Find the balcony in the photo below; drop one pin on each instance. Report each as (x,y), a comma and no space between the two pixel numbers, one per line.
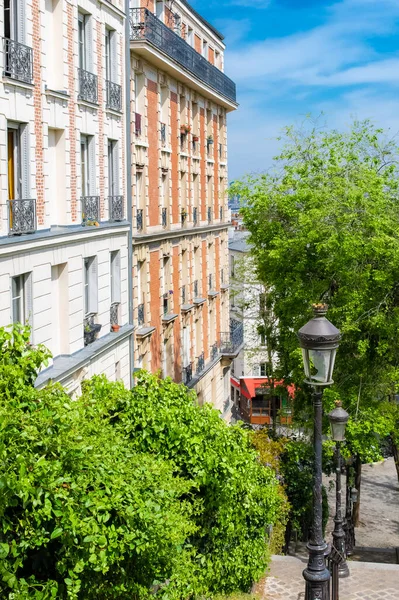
(114,96)
(139,219)
(115,208)
(164,217)
(18,62)
(231,342)
(90,209)
(21,216)
(200,364)
(140,315)
(88,86)
(146,27)
(188,373)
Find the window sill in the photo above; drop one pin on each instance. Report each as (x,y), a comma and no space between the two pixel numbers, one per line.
(169,318)
(114,112)
(17,83)
(185,308)
(212,294)
(199,301)
(87,104)
(59,94)
(144,332)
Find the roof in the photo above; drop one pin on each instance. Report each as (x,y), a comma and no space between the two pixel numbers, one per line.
(239,242)
(204,21)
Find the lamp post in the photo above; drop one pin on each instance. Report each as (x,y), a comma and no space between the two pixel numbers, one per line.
(319,340)
(338,420)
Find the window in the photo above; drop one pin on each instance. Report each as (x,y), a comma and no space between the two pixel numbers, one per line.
(159,9)
(115,271)
(22,299)
(111,71)
(85,42)
(262,339)
(113,164)
(60,309)
(205,49)
(232,266)
(88,165)
(18,161)
(90,285)
(54,43)
(56,181)
(190,36)
(262,370)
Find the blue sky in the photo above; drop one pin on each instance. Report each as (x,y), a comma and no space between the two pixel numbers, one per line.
(290,58)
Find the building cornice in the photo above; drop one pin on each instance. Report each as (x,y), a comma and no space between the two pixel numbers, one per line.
(177,233)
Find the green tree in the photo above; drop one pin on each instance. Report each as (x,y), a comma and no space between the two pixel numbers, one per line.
(325,227)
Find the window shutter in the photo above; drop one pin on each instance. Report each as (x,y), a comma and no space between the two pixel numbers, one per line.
(115,168)
(92,165)
(116,277)
(93,286)
(21,21)
(25,168)
(28,301)
(89,43)
(114,57)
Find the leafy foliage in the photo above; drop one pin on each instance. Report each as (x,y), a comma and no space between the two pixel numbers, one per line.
(325,227)
(124,494)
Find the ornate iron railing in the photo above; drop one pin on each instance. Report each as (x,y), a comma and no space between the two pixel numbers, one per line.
(90,208)
(140,314)
(214,350)
(195,288)
(195,215)
(200,363)
(18,62)
(88,86)
(232,340)
(115,207)
(183,294)
(114,313)
(114,96)
(187,373)
(146,26)
(139,219)
(164,217)
(209,214)
(163,134)
(21,216)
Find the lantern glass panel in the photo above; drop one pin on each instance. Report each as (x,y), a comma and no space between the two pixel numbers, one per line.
(320,365)
(338,431)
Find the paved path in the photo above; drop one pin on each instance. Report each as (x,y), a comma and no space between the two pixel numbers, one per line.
(379,506)
(367,581)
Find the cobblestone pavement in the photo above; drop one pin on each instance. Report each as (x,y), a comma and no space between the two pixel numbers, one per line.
(367,581)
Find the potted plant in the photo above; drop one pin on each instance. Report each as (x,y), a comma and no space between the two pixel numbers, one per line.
(195,138)
(90,332)
(184,214)
(185,129)
(209,139)
(115,327)
(92,223)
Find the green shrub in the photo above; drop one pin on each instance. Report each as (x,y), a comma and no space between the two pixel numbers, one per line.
(124,494)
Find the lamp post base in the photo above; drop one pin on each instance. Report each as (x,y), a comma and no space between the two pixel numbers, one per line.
(316,574)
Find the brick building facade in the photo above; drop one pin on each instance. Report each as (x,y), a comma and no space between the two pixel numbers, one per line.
(180,98)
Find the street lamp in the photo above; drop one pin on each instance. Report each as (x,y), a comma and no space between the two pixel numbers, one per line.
(338,420)
(319,340)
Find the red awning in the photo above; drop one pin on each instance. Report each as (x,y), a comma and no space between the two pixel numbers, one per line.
(250,384)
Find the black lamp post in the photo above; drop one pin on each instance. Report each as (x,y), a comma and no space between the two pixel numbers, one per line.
(338,420)
(319,340)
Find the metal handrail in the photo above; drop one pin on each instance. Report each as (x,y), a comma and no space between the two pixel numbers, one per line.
(115,208)
(90,208)
(114,96)
(21,216)
(88,86)
(18,61)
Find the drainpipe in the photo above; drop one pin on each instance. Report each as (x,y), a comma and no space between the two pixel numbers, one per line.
(129,187)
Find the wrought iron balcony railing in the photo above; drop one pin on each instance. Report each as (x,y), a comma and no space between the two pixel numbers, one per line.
(139,219)
(195,215)
(188,373)
(146,26)
(114,96)
(140,314)
(164,217)
(21,216)
(163,134)
(200,363)
(88,86)
(183,294)
(196,288)
(214,350)
(18,63)
(231,341)
(115,207)
(90,208)
(114,313)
